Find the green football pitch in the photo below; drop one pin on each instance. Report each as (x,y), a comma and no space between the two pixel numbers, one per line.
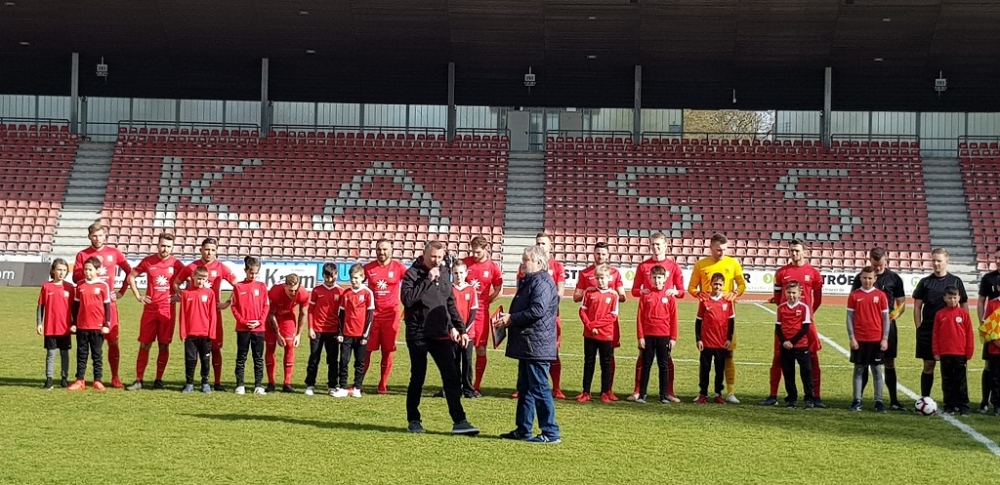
(166,437)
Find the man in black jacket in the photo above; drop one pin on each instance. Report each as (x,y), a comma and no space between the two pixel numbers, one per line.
(432,324)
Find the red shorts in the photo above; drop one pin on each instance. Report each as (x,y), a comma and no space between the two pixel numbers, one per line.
(385,329)
(286,327)
(481,330)
(112,336)
(157,326)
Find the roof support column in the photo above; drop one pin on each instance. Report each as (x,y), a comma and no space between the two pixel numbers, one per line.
(637,108)
(74,94)
(265,118)
(452,112)
(826,133)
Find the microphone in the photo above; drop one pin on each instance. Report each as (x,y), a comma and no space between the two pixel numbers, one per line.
(441,267)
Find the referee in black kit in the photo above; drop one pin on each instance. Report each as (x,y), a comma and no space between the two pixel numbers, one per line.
(432,325)
(928,299)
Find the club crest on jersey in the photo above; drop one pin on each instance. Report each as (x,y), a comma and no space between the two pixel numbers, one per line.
(391,273)
(486,274)
(204,298)
(958,319)
(798,313)
(664,300)
(468,297)
(361,298)
(256,292)
(214,273)
(110,258)
(66,294)
(97,291)
(876,299)
(724,306)
(607,301)
(170,270)
(808,277)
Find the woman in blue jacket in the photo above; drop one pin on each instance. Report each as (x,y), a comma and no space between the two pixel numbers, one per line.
(531,339)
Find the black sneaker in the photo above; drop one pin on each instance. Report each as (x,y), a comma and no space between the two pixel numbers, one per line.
(137,385)
(818,403)
(287,388)
(856,406)
(220,388)
(879,407)
(476,394)
(544,440)
(810,404)
(469,395)
(415,427)
(465,428)
(438,394)
(48,384)
(514,435)
(964,412)
(269,388)
(791,404)
(770,401)
(896,407)
(948,411)
(158,385)
(996,411)
(63,383)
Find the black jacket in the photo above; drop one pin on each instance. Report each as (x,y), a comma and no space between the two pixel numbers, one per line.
(428,307)
(532,331)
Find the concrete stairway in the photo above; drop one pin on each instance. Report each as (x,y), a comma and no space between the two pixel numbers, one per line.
(88,182)
(525,208)
(948,215)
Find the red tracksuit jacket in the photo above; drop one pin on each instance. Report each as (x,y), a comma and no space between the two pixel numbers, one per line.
(953,333)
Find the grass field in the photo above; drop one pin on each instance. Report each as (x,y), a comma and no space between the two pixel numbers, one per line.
(166,437)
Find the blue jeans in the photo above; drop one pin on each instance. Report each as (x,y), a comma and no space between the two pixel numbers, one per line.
(535,395)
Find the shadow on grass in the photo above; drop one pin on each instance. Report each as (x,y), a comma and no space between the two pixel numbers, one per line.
(311,422)
(29,383)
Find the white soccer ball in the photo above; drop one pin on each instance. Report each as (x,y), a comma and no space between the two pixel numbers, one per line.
(925,406)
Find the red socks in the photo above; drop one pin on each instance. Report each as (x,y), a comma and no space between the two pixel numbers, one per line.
(269,361)
(141,361)
(775,376)
(114,359)
(480,369)
(816,374)
(638,374)
(289,364)
(368,361)
(670,377)
(386,367)
(555,370)
(217,365)
(161,362)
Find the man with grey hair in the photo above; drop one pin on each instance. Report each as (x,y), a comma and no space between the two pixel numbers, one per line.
(432,324)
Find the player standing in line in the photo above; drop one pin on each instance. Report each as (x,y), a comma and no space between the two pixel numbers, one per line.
(953,344)
(643,285)
(357,312)
(91,322)
(198,327)
(868,330)
(599,314)
(792,327)
(467,303)
(250,309)
(892,285)
(111,260)
(735,285)
(928,299)
(157,323)
(587,281)
(988,304)
(656,330)
(53,320)
(384,276)
(713,332)
(556,270)
(324,324)
(283,328)
(486,277)
(217,272)
(811,284)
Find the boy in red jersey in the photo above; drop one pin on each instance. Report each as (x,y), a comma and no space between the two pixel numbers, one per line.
(53,319)
(953,345)
(198,326)
(674,288)
(811,282)
(250,308)
(217,273)
(384,276)
(791,328)
(484,274)
(656,329)
(324,322)
(713,329)
(283,329)
(588,280)
(467,302)
(868,329)
(111,261)
(357,312)
(599,314)
(91,322)
(157,324)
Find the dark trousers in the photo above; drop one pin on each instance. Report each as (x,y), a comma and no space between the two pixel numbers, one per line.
(245,341)
(954,382)
(708,356)
(656,348)
(89,343)
(591,347)
(195,349)
(534,397)
(788,359)
(443,353)
(463,364)
(328,341)
(993,361)
(352,345)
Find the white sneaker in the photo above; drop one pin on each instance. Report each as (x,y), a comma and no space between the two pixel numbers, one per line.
(333,392)
(731,398)
(355,392)
(241,390)
(340,393)
(309,390)
(259,391)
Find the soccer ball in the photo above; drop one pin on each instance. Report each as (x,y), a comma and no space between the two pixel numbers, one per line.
(925,406)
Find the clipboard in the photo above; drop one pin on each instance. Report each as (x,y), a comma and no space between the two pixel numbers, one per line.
(499,334)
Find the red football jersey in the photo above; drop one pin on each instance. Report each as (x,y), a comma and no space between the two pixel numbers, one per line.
(953,334)
(56,297)
(217,272)
(869,309)
(657,316)
(715,314)
(355,305)
(791,319)
(587,279)
(483,276)
(198,313)
(160,276)
(556,271)
(466,300)
(324,309)
(384,282)
(807,276)
(111,260)
(599,311)
(643,280)
(92,296)
(283,306)
(250,303)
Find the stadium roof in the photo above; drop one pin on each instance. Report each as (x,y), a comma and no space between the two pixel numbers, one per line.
(885,53)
